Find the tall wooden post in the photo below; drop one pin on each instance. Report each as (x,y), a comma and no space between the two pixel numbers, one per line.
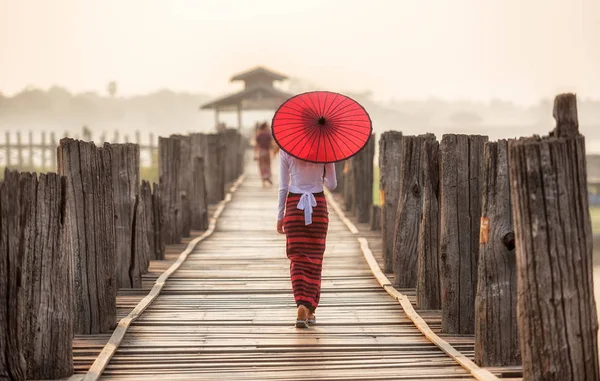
(390,156)
(20,160)
(168,169)
(125,182)
(89,188)
(428,280)
(7,146)
(199,208)
(48,295)
(496,337)
(558,325)
(12,360)
(461,158)
(185,180)
(363,181)
(409,211)
(215,170)
(30,163)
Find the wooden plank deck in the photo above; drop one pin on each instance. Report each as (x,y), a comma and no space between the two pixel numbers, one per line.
(228,314)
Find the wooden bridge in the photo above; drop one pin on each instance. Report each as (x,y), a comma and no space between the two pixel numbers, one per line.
(228,313)
(103,279)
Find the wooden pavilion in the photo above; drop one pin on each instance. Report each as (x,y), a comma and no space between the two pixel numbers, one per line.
(259,94)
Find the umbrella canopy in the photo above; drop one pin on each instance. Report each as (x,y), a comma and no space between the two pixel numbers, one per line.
(321,127)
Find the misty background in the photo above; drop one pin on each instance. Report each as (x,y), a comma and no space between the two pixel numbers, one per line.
(464,66)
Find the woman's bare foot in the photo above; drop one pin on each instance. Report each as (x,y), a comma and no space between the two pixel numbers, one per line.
(312,319)
(302,317)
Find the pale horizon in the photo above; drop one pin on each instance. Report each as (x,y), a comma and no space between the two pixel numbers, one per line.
(398,50)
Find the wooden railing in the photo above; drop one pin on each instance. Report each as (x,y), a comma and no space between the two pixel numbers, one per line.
(495,234)
(68,241)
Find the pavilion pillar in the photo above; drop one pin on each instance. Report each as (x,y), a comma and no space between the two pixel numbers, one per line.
(239,115)
(216,117)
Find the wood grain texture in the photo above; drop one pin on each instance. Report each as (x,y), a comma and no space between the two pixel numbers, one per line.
(91,226)
(48,314)
(362,166)
(558,325)
(157,222)
(185,184)
(169,165)
(349,189)
(199,206)
(461,158)
(125,182)
(496,332)
(375,219)
(146,202)
(12,359)
(214,168)
(428,272)
(390,160)
(408,215)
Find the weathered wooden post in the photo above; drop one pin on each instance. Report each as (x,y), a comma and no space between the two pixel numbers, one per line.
(47,308)
(461,160)
(496,336)
(185,181)
(408,215)
(12,360)
(390,155)
(349,185)
(146,200)
(215,168)
(363,181)
(428,280)
(20,160)
(169,167)
(30,163)
(157,222)
(375,219)
(558,325)
(140,253)
(199,205)
(125,183)
(339,172)
(231,139)
(91,227)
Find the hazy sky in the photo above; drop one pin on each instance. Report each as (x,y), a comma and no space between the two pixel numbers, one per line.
(474,49)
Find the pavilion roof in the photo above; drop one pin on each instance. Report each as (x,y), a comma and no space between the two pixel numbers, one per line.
(258,71)
(256,98)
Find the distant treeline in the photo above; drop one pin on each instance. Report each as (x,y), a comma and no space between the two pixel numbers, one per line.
(165,111)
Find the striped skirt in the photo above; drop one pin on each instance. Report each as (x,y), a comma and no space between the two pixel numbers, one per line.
(305,245)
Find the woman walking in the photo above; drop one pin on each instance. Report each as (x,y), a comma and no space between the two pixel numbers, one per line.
(304,219)
(262,152)
(314,130)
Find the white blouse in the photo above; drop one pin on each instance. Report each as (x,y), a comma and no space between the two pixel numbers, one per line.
(302,177)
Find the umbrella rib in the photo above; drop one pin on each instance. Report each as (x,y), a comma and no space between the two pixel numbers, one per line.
(343,135)
(328,137)
(297,131)
(299,110)
(314,106)
(306,142)
(307,108)
(296,115)
(338,111)
(337,106)
(342,129)
(324,103)
(335,95)
(349,125)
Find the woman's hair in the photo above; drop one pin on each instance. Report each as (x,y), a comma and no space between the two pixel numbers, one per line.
(263,126)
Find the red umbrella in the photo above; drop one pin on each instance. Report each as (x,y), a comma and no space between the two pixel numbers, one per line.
(321,127)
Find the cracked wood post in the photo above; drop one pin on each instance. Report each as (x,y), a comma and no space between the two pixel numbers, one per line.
(168,168)
(146,201)
(428,280)
(200,204)
(48,311)
(375,218)
(496,336)
(461,158)
(558,325)
(231,138)
(349,185)
(214,168)
(91,226)
(408,215)
(125,183)
(157,223)
(390,155)
(362,166)
(12,359)
(184,180)
(339,172)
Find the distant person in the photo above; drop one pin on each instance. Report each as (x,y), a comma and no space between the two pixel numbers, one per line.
(262,153)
